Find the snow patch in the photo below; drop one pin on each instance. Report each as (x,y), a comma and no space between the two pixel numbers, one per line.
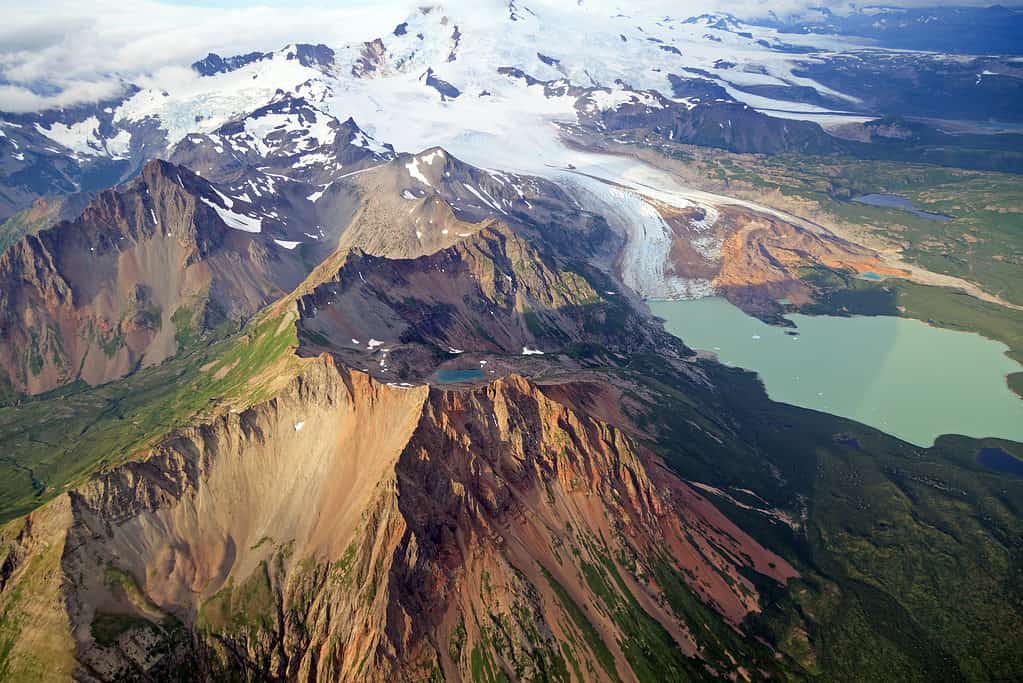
(413,170)
(236,221)
(606,100)
(83,139)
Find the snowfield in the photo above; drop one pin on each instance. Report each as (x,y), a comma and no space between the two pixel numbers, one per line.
(436,84)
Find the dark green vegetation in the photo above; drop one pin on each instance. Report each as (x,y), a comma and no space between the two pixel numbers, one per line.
(891,532)
(983,152)
(108,628)
(246,608)
(589,635)
(50,442)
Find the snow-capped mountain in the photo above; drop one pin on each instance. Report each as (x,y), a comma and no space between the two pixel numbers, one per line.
(339,362)
(274,164)
(464,111)
(433,80)
(465,77)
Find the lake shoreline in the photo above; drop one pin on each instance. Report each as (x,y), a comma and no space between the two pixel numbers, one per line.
(885,376)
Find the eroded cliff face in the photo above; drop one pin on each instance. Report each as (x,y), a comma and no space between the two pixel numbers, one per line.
(351,530)
(567,538)
(420,204)
(140,270)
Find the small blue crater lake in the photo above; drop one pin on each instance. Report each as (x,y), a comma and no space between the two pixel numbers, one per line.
(453,376)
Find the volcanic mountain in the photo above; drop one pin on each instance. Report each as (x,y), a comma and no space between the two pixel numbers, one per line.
(499,531)
(298,404)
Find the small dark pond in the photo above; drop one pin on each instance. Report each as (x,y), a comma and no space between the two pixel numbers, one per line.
(452,376)
(998,460)
(894,201)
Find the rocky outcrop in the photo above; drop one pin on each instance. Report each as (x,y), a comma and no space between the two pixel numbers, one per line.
(286,137)
(349,530)
(314,56)
(418,204)
(755,258)
(373,58)
(493,293)
(763,257)
(213,64)
(701,120)
(141,271)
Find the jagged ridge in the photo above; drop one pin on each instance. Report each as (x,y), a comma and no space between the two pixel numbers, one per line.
(420,531)
(126,283)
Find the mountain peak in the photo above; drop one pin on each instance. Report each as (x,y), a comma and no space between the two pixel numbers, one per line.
(317,56)
(213,64)
(314,56)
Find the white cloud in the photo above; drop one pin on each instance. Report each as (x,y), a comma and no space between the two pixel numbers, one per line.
(16,98)
(55,54)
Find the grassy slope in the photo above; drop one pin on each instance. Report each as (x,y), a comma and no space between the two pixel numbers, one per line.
(49,442)
(35,642)
(983,243)
(30,221)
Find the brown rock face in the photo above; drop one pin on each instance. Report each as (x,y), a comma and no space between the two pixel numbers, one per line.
(116,288)
(493,292)
(348,530)
(754,258)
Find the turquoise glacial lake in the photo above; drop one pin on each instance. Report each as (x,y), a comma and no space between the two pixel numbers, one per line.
(901,376)
(453,376)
